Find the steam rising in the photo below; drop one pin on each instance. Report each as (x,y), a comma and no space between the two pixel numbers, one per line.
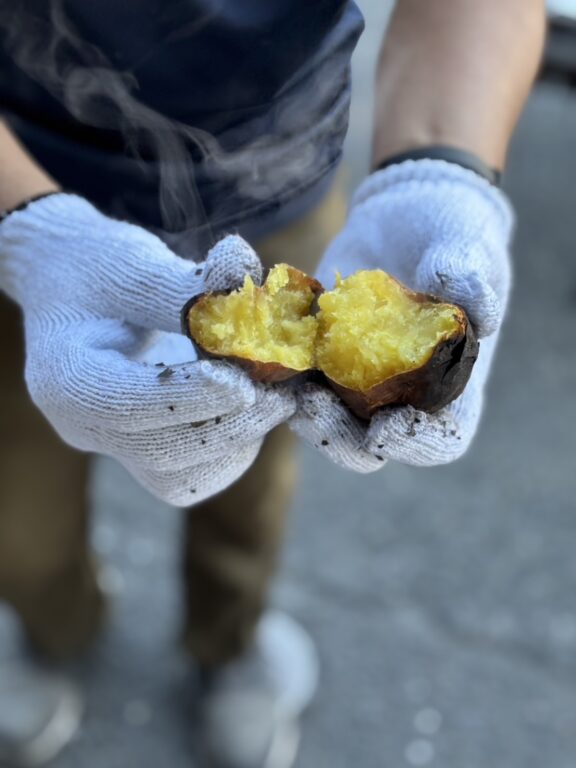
(81,77)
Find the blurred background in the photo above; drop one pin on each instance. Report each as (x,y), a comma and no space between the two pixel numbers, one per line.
(443,600)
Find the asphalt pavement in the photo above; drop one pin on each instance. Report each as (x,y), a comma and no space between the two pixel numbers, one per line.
(442,600)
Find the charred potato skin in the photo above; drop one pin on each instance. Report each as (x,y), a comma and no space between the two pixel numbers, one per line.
(259,371)
(430,387)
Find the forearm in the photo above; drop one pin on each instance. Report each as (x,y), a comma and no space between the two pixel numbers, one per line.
(456,72)
(20,176)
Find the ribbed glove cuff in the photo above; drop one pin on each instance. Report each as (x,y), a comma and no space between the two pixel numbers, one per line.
(437,173)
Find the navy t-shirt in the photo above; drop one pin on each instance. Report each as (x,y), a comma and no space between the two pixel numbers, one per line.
(182,114)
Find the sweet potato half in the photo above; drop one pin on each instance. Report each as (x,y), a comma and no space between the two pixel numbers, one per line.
(270,330)
(375,342)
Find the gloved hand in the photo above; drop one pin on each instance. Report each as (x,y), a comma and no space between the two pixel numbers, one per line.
(442,230)
(89,286)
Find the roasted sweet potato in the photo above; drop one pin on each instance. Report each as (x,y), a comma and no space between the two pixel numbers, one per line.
(378,343)
(374,341)
(268,330)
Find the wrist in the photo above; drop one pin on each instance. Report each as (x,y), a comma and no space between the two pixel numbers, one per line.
(21,206)
(489,149)
(449,154)
(20,175)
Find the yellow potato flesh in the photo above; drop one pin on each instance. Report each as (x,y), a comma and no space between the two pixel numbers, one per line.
(369,329)
(268,324)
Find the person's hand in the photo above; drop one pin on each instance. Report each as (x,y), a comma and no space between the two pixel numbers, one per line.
(91,288)
(441,230)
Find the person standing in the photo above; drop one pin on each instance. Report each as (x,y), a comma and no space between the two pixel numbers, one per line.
(255,97)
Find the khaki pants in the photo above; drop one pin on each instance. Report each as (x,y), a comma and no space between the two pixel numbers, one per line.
(231,541)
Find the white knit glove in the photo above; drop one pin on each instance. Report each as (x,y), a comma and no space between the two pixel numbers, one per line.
(442,230)
(89,286)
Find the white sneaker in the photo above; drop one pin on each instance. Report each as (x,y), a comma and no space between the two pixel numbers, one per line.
(39,715)
(251,706)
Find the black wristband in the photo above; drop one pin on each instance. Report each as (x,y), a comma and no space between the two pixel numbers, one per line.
(26,203)
(461,157)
